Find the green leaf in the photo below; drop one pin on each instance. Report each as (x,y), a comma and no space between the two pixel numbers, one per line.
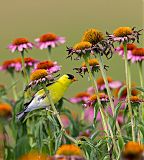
(140,89)
(121,91)
(22,147)
(120,142)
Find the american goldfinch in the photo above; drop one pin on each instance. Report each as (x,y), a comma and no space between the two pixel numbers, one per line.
(56,90)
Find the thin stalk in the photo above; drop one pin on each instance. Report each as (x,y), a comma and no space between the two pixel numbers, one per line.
(14,88)
(94,84)
(129,75)
(108,91)
(57,114)
(50,141)
(141,75)
(49,53)
(128,90)
(24,69)
(141,108)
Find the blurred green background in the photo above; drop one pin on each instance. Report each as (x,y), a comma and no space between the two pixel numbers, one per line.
(31,18)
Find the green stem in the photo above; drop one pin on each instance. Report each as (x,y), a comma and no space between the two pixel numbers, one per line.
(94,84)
(129,75)
(108,91)
(49,53)
(128,90)
(141,75)
(56,113)
(141,108)
(51,147)
(14,88)
(24,69)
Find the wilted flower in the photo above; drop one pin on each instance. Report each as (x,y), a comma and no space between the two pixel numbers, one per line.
(93,100)
(80,49)
(94,65)
(5,110)
(130,47)
(20,44)
(136,55)
(93,36)
(81,97)
(112,84)
(127,34)
(34,155)
(133,151)
(49,40)
(50,66)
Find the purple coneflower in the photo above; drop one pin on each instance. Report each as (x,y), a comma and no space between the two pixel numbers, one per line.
(20,44)
(49,40)
(81,97)
(136,55)
(130,47)
(112,84)
(93,99)
(50,66)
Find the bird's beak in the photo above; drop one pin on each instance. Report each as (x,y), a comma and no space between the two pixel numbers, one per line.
(74,79)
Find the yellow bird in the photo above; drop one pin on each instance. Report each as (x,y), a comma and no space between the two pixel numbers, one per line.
(56,90)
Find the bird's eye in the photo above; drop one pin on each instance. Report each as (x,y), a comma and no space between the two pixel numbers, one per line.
(70,76)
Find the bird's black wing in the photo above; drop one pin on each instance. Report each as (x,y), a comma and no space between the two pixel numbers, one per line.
(27,103)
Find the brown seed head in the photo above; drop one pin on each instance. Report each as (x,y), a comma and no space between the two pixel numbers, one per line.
(48,37)
(122,31)
(37,74)
(20,41)
(93,36)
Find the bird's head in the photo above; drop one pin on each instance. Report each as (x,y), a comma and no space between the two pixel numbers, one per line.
(67,79)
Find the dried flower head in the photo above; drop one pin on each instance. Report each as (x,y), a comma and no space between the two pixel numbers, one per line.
(112,84)
(49,40)
(20,44)
(94,65)
(5,110)
(137,55)
(50,66)
(69,150)
(80,49)
(130,48)
(84,48)
(133,151)
(122,31)
(127,34)
(80,97)
(34,155)
(93,36)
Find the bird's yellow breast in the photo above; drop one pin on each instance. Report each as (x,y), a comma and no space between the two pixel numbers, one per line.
(56,91)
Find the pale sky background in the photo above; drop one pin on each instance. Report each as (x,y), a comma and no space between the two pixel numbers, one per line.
(31,18)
